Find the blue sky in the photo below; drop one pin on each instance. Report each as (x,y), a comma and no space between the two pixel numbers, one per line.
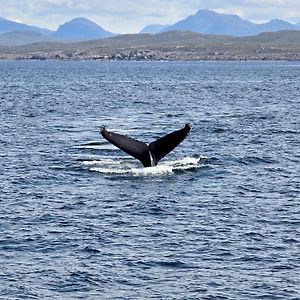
(129,16)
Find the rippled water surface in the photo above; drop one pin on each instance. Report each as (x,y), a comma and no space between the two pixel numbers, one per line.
(218,218)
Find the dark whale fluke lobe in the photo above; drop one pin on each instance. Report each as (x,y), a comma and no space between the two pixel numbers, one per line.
(148,155)
(137,149)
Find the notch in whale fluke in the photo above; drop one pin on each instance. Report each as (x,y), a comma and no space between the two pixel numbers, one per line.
(148,155)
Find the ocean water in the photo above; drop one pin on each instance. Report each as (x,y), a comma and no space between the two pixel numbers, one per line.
(218,218)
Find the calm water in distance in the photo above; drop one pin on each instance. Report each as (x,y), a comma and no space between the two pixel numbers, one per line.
(218,218)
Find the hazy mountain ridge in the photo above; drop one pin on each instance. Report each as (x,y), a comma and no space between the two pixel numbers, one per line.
(153,28)
(81,29)
(19,38)
(75,30)
(9,26)
(207,21)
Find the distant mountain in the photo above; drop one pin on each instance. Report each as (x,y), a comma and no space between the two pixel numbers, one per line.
(20,38)
(276,25)
(81,29)
(154,28)
(206,21)
(210,22)
(8,26)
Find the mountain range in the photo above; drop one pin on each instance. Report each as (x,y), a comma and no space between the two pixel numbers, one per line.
(210,22)
(9,26)
(78,29)
(82,29)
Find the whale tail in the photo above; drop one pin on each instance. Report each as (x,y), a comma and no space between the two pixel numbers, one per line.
(148,155)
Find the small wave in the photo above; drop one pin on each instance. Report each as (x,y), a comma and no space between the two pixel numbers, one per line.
(109,171)
(101,162)
(90,249)
(119,167)
(185,163)
(172,264)
(96,145)
(249,160)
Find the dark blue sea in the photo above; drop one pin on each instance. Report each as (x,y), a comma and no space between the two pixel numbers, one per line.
(218,218)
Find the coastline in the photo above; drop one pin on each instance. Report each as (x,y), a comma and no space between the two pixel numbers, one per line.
(171,46)
(153,56)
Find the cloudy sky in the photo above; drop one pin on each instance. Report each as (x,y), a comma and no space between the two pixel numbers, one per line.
(129,16)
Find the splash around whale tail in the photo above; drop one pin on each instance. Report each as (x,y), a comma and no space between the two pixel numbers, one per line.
(148,155)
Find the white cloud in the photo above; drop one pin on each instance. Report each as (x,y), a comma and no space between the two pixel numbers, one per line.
(131,15)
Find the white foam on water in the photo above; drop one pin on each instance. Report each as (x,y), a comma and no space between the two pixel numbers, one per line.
(184,163)
(101,162)
(97,147)
(109,171)
(152,171)
(110,166)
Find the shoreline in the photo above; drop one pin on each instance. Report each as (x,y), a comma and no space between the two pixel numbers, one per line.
(166,58)
(172,46)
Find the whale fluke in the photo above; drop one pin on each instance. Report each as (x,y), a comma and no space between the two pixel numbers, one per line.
(148,155)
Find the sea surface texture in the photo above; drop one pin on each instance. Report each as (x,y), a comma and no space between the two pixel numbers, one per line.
(218,218)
